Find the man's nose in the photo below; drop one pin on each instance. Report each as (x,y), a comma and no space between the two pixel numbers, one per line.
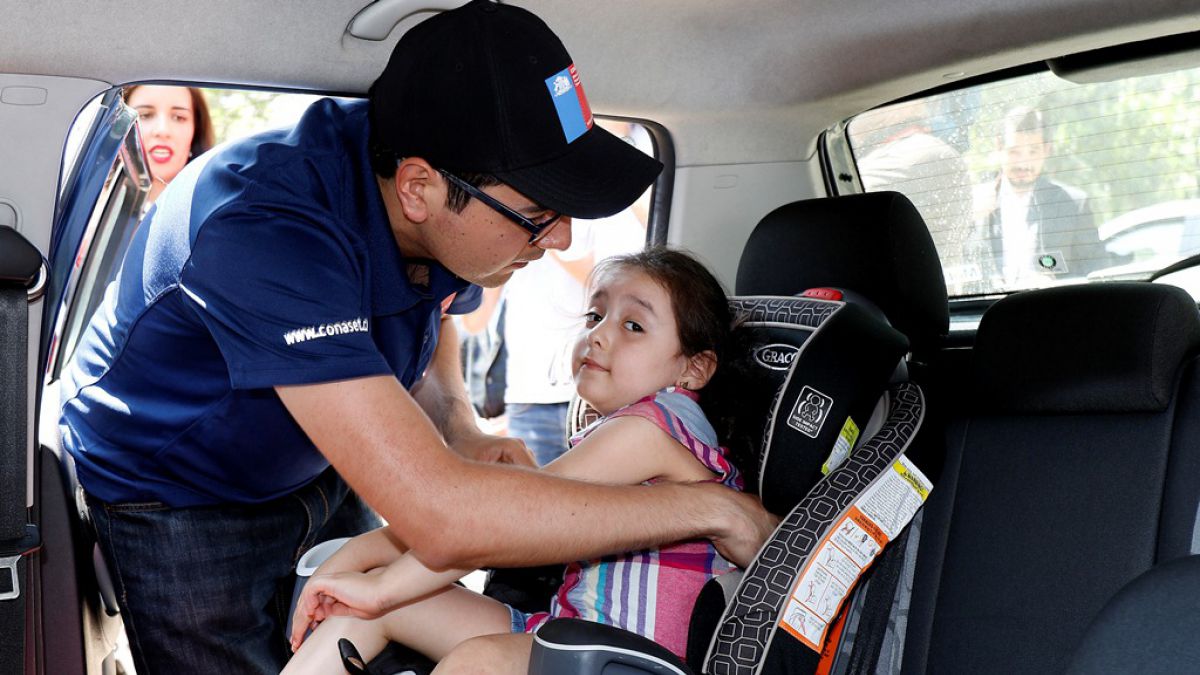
(559,236)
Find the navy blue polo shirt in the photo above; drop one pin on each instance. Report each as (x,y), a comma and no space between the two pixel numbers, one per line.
(267,262)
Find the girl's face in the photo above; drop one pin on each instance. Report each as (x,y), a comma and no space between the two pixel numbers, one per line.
(166,120)
(630,348)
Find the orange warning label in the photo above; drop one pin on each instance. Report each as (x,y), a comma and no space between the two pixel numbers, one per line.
(848,549)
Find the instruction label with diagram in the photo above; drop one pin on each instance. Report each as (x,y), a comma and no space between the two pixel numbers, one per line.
(852,544)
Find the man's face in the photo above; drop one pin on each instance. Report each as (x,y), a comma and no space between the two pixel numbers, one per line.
(483,246)
(1023,155)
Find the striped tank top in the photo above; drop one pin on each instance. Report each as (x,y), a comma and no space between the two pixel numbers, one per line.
(650,592)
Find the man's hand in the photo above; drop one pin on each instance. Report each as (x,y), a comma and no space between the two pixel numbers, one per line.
(483,447)
(747,527)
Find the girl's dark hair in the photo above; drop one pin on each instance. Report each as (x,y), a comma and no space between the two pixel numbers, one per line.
(702,316)
(203,137)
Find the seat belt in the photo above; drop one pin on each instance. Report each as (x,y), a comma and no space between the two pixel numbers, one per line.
(877,607)
(22,279)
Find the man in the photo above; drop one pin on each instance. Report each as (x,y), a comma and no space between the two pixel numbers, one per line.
(281,310)
(1038,229)
(901,153)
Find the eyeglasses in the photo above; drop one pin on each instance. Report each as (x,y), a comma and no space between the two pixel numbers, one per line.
(537,231)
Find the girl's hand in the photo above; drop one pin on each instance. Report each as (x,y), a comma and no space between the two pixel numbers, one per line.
(354,594)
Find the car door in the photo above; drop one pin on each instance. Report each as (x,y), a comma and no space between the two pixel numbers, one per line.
(72,624)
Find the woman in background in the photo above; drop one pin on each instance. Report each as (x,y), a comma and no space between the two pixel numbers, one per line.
(175,126)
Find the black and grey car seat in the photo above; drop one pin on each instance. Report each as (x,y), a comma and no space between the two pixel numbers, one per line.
(860,246)
(819,366)
(1073,468)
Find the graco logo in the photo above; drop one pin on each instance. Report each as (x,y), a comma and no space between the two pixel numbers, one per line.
(776,356)
(810,412)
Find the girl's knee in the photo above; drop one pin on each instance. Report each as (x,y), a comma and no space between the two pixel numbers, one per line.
(488,655)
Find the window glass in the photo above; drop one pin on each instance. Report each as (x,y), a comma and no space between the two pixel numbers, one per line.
(234,113)
(1036,181)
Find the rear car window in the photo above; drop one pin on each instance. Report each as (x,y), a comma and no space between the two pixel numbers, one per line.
(1035,181)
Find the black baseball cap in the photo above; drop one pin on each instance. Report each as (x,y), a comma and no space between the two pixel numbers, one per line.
(489,88)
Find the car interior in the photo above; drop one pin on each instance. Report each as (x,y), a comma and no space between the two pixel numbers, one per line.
(1023,401)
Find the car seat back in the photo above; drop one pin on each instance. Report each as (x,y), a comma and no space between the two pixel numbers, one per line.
(1075,470)
(1149,627)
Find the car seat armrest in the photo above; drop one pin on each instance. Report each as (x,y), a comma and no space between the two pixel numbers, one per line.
(587,648)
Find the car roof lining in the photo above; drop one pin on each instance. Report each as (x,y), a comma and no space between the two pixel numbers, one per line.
(782,72)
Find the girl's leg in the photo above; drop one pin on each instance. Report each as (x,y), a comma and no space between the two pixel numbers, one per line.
(434,626)
(489,655)
(319,653)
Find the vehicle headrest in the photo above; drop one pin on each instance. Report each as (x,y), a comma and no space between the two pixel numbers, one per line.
(875,244)
(1111,347)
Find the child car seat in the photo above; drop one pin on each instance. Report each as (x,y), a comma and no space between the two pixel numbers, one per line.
(877,246)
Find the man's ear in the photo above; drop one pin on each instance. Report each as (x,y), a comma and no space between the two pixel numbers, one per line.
(418,188)
(699,370)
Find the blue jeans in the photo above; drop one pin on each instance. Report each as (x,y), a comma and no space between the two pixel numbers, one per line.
(543,427)
(207,589)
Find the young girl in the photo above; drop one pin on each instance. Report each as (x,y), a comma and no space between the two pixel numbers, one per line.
(657,327)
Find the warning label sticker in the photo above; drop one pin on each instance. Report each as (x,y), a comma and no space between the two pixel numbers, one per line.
(842,447)
(852,544)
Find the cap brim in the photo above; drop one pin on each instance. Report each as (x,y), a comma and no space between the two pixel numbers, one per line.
(600,175)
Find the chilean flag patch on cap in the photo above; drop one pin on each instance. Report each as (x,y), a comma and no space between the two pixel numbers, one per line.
(570,102)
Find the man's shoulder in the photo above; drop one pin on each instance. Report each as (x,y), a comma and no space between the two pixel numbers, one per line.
(328,133)
(1057,200)
(314,169)
(1049,186)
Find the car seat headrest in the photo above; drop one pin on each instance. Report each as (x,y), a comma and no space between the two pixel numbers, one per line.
(1112,347)
(875,244)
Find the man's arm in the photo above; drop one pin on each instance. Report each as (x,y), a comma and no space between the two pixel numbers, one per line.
(443,397)
(453,512)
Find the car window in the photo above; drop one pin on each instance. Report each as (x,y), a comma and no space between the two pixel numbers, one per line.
(1036,181)
(115,215)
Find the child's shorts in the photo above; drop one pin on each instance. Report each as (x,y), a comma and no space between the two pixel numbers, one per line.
(523,622)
